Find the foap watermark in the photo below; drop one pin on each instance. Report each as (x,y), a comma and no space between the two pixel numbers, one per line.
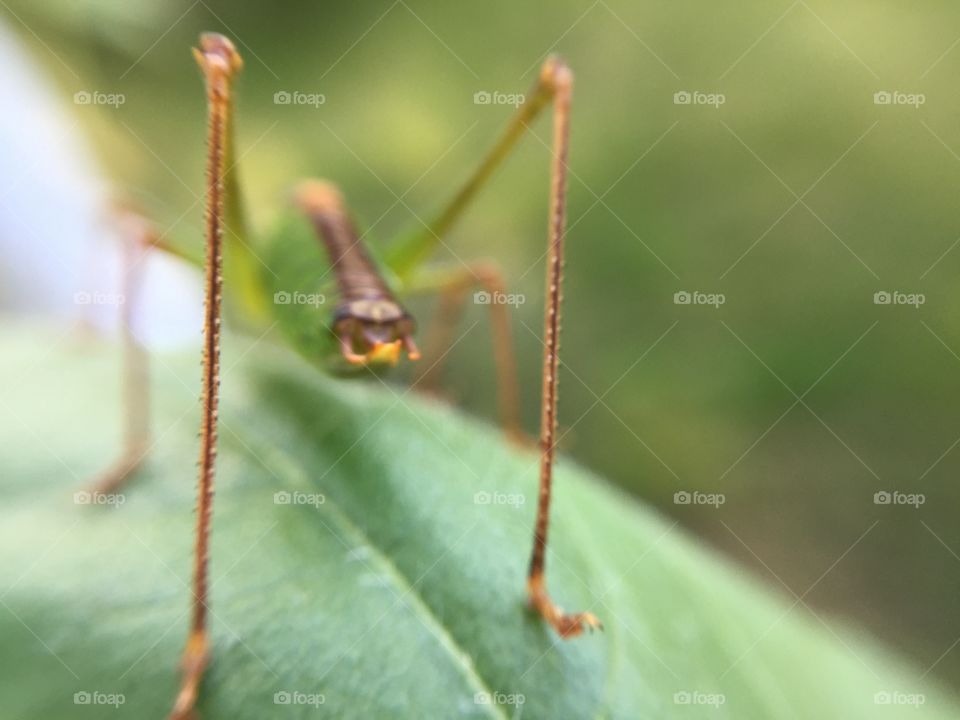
(895,497)
(715,300)
(296,697)
(499,698)
(96,697)
(95,97)
(85,297)
(898,697)
(482,297)
(696,97)
(683,497)
(696,697)
(914,300)
(285,497)
(484,497)
(895,97)
(296,97)
(85,497)
(282,297)
(485,97)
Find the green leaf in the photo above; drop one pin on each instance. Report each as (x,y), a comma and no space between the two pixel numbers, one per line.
(399,596)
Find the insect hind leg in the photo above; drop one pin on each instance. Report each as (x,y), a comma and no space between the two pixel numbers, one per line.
(137,238)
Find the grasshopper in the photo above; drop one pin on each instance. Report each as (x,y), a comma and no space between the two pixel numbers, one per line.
(369,328)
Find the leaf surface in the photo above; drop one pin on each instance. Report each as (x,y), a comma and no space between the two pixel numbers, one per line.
(387,576)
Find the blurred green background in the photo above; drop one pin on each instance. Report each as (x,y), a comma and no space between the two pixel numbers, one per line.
(798,199)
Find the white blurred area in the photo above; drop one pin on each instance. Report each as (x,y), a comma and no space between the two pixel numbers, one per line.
(60,257)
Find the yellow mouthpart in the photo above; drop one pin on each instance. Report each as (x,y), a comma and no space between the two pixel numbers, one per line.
(386,353)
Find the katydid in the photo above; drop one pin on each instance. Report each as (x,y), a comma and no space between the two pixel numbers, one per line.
(370,327)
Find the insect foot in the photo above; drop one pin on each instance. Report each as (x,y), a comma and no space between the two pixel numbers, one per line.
(195,657)
(567,625)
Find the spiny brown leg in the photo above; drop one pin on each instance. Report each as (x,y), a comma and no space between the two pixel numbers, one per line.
(554,84)
(453,287)
(556,78)
(137,237)
(219,62)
